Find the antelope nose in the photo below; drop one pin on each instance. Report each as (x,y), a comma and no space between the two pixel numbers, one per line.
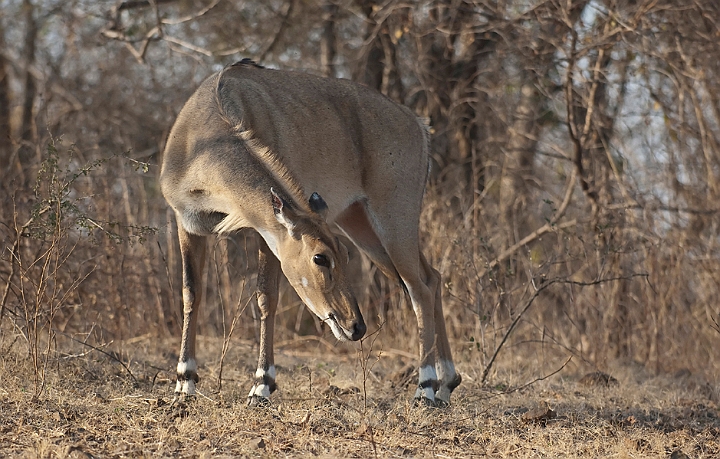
(359,329)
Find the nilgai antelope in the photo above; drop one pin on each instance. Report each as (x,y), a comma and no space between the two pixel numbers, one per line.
(245,151)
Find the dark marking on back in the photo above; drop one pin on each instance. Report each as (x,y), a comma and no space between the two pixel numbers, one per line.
(247,62)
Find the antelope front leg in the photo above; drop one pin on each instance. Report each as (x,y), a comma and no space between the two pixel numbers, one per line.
(192,248)
(267,297)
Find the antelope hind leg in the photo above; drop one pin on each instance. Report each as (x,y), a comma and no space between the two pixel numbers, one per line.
(437,378)
(422,297)
(448,378)
(437,382)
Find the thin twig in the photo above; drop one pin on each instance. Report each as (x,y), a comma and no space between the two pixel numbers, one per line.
(113,357)
(364,359)
(529,303)
(281,30)
(541,378)
(188,45)
(226,341)
(193,16)
(552,225)
(14,255)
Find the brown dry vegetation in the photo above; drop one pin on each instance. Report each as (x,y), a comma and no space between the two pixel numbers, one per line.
(572,211)
(93,407)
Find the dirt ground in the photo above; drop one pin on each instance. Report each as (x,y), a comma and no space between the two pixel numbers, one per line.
(334,403)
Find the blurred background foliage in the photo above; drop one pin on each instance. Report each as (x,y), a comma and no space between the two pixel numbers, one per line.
(573,199)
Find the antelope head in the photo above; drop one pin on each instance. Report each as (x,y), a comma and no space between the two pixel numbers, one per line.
(314,262)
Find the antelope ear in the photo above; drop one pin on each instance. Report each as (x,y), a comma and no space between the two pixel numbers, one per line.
(318,204)
(283,211)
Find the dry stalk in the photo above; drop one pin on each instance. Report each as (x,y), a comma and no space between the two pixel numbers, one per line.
(226,339)
(14,255)
(364,358)
(552,225)
(529,303)
(541,378)
(236,316)
(112,355)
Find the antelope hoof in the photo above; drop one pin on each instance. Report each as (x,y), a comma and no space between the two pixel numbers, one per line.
(258,401)
(428,385)
(425,402)
(259,395)
(425,393)
(442,396)
(182,399)
(185,388)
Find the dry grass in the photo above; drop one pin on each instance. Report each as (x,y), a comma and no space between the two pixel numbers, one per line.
(92,407)
(605,299)
(603,249)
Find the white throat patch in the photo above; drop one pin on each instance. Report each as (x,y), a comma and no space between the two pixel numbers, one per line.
(270,240)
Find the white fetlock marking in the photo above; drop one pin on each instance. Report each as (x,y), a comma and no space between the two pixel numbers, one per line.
(426,373)
(190,365)
(186,387)
(446,373)
(259,373)
(260,390)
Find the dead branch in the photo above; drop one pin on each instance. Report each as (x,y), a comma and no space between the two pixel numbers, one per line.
(187,45)
(281,30)
(530,301)
(115,31)
(191,17)
(130,4)
(111,355)
(39,75)
(577,138)
(551,225)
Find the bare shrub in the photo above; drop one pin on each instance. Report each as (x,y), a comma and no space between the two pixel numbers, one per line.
(573,195)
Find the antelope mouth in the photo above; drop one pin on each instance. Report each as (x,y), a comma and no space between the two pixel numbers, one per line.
(343,334)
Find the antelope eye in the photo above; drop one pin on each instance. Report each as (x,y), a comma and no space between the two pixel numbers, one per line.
(321,260)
